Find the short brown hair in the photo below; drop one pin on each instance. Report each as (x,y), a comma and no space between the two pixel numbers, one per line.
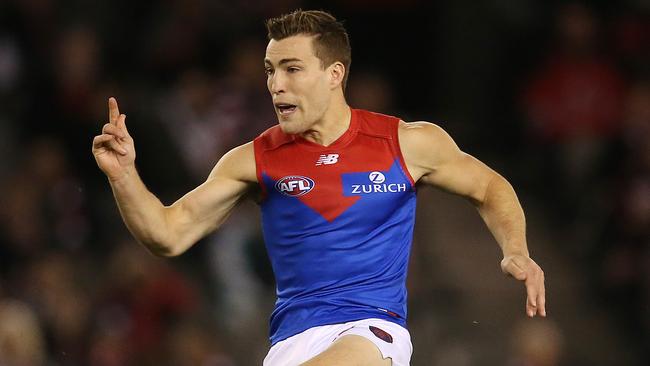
(331,42)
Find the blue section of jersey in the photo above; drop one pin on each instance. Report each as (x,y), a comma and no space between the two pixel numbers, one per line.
(369,184)
(350,268)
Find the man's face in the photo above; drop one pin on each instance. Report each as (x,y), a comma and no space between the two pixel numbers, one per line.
(300,88)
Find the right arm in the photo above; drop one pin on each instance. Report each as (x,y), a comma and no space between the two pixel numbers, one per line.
(170,230)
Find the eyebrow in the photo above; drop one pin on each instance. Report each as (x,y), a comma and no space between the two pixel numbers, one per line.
(283,61)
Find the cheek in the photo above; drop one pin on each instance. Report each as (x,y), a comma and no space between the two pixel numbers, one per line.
(317,89)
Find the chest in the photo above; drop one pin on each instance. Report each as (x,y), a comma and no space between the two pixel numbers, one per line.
(366,176)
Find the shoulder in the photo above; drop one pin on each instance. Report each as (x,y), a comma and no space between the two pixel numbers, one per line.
(373,116)
(238,164)
(419,129)
(374,123)
(425,146)
(240,153)
(424,137)
(272,138)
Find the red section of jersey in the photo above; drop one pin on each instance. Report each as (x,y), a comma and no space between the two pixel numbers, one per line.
(319,200)
(279,155)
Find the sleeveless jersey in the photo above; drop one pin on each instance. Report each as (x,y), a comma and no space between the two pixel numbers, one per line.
(338,224)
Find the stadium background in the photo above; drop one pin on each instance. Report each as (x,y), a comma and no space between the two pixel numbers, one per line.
(554,95)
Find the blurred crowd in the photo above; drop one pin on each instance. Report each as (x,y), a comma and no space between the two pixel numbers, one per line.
(565,115)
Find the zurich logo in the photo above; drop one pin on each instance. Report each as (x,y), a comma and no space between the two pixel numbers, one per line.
(377,177)
(294,185)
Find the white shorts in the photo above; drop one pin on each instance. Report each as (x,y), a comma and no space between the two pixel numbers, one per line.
(393,341)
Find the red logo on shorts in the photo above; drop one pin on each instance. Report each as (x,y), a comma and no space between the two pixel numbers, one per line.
(384,336)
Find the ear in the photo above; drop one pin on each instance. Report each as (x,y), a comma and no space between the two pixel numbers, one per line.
(337,74)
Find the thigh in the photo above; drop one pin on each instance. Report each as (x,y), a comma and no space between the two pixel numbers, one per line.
(350,350)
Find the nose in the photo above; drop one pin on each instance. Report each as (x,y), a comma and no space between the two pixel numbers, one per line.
(276,83)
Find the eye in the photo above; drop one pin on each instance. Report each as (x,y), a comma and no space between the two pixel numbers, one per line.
(293,69)
(268,71)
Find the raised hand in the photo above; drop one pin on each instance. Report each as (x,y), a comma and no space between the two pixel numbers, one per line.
(525,269)
(114,150)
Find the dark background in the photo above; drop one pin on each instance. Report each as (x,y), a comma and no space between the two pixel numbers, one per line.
(554,95)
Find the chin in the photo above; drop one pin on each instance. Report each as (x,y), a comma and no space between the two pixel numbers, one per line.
(290,128)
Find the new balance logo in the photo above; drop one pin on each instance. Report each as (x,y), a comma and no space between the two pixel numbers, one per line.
(327,159)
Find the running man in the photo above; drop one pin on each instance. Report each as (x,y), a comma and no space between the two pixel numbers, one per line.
(337,188)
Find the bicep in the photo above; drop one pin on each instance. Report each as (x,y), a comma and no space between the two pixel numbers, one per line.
(203,209)
(437,161)
(463,175)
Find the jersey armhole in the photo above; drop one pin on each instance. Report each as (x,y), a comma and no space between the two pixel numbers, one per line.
(398,152)
(259,166)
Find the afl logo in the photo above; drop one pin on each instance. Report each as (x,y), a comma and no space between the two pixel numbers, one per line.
(377,177)
(294,185)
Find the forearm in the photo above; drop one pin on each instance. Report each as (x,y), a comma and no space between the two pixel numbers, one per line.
(142,212)
(504,217)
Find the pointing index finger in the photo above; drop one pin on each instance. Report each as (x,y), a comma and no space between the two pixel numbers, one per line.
(113,110)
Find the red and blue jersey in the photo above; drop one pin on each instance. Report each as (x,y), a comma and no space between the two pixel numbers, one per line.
(338,224)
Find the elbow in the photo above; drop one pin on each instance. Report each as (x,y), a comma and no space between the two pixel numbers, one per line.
(495,186)
(164,249)
(167,240)
(164,252)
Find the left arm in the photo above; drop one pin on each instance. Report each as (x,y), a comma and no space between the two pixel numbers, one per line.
(433,158)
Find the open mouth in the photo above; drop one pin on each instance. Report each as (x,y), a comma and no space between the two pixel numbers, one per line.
(285,108)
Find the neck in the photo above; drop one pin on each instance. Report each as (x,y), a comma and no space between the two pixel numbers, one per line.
(331,126)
